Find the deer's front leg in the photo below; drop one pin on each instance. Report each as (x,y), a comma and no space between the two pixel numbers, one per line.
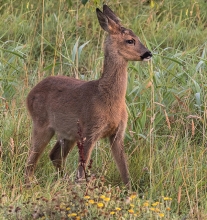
(117,147)
(85,150)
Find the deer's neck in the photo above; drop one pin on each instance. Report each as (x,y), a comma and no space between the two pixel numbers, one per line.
(113,83)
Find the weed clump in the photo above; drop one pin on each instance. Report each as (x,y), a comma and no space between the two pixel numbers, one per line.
(92,200)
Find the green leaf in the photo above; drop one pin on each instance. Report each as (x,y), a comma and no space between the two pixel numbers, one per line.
(198,99)
(12,52)
(169,58)
(75,49)
(50,66)
(143,117)
(81,48)
(197,86)
(199,65)
(69,2)
(84,1)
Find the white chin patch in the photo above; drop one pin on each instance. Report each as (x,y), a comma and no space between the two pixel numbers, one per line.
(147,59)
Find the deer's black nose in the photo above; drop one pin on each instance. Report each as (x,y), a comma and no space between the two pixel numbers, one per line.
(146,56)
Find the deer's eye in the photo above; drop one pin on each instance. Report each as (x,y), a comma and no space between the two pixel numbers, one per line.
(130,41)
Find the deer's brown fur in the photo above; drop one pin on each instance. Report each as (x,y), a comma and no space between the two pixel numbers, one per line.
(58,102)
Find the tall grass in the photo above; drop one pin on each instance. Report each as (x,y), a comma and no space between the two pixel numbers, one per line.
(166,134)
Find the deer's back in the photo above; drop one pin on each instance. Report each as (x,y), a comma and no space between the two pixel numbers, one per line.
(61,94)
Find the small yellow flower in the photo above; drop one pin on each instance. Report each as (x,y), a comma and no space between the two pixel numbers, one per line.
(112,213)
(132,205)
(133,196)
(77,218)
(100,205)
(145,204)
(68,208)
(161,215)
(131,211)
(167,198)
(91,201)
(152,209)
(168,208)
(106,199)
(72,214)
(155,203)
(62,205)
(102,196)
(117,209)
(157,210)
(86,197)
(152,4)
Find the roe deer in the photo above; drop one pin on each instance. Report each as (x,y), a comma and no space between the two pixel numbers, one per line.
(57,103)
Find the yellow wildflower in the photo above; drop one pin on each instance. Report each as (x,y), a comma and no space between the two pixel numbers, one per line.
(102,196)
(112,213)
(118,209)
(106,199)
(152,209)
(168,208)
(131,211)
(155,203)
(132,205)
(86,197)
(161,215)
(157,210)
(91,201)
(62,205)
(68,208)
(100,205)
(133,196)
(146,204)
(167,198)
(72,214)
(152,4)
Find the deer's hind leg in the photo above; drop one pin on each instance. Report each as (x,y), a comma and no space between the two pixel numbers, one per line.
(40,138)
(59,153)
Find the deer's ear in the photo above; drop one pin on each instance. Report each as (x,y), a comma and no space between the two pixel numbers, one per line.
(103,20)
(107,23)
(109,13)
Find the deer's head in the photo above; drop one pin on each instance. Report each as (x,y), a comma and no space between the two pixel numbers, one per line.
(121,42)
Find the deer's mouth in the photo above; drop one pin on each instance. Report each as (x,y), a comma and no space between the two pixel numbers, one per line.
(146,56)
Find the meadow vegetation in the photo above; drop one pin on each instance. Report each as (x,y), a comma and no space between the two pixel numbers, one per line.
(167,104)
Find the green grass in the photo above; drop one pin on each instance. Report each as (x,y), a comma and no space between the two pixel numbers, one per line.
(166,134)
